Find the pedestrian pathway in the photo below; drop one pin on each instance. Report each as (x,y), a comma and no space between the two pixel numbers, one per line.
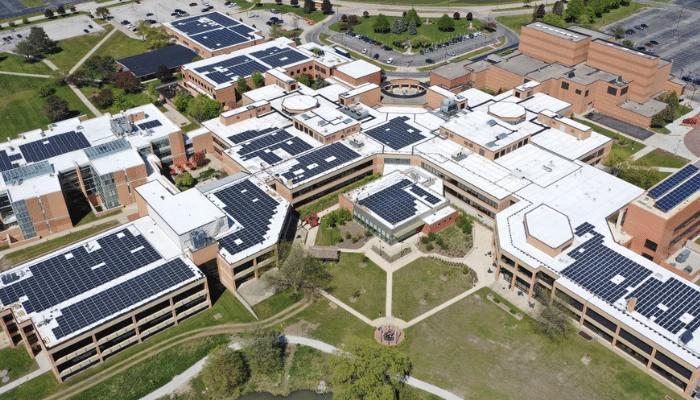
(23,74)
(94,49)
(87,102)
(50,64)
(348,308)
(44,366)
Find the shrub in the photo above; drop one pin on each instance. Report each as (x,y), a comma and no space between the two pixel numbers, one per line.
(25,20)
(429,246)
(355,239)
(103,99)
(46,91)
(348,235)
(424,240)
(465,270)
(365,14)
(432,236)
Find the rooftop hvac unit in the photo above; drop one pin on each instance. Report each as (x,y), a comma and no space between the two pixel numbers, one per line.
(547,168)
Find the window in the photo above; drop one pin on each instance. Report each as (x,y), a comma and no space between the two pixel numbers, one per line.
(578,91)
(650,245)
(648,257)
(565,85)
(624,90)
(585,94)
(612,91)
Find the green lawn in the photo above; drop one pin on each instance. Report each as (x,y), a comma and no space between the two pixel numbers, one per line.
(27,253)
(37,388)
(622,143)
(423,285)
(315,16)
(154,372)
(331,325)
(273,305)
(662,158)
(429,30)
(92,218)
(74,49)
(120,45)
(32,3)
(367,283)
(12,63)
(515,22)
(21,107)
(135,99)
(17,361)
(189,127)
(478,351)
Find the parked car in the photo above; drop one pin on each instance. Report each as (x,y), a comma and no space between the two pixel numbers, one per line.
(125,22)
(149,14)
(364,51)
(232,5)
(645,26)
(639,27)
(471,36)
(387,48)
(389,61)
(173,15)
(177,10)
(275,11)
(688,78)
(654,42)
(630,31)
(683,255)
(422,52)
(477,33)
(86,31)
(429,61)
(89,26)
(641,48)
(451,53)
(192,5)
(376,56)
(649,50)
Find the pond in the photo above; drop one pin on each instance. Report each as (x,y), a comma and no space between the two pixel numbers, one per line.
(298,395)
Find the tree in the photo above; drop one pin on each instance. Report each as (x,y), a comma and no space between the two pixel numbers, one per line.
(558,8)
(598,7)
(412,27)
(199,159)
(553,322)
(185,180)
(77,78)
(197,58)
(304,80)
(455,16)
(225,372)
(326,7)
(72,8)
(344,18)
(25,20)
(241,85)
(56,109)
(48,13)
(368,372)
(541,11)
(37,44)
(574,10)
(265,354)
(627,43)
(102,12)
(104,98)
(657,121)
(60,10)
(203,108)
(100,67)
(381,24)
(58,78)
(276,31)
(308,6)
(445,23)
(182,99)
(396,27)
(294,3)
(412,14)
(640,173)
(365,14)
(470,17)
(299,272)
(163,73)
(127,81)
(155,38)
(553,19)
(258,79)
(46,90)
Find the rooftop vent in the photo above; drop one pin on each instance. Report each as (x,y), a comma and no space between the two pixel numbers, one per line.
(491,122)
(502,136)
(686,337)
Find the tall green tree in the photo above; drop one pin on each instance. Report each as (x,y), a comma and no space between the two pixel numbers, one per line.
(445,23)
(225,372)
(308,6)
(412,27)
(326,7)
(412,14)
(553,19)
(300,272)
(182,99)
(97,67)
(102,12)
(264,353)
(368,372)
(56,108)
(381,24)
(574,10)
(258,79)
(242,85)
(203,108)
(37,44)
(558,8)
(553,322)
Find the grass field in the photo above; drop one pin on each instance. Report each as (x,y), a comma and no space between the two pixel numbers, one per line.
(92,218)
(662,158)
(367,283)
(621,143)
(470,347)
(136,99)
(21,106)
(121,46)
(331,325)
(17,361)
(12,63)
(315,16)
(32,3)
(74,49)
(275,304)
(423,285)
(38,249)
(515,22)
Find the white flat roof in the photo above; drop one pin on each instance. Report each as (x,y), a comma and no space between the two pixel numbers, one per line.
(506,110)
(358,69)
(569,146)
(548,226)
(326,120)
(476,97)
(488,131)
(34,187)
(540,102)
(117,162)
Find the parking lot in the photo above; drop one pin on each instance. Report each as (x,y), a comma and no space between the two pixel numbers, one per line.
(675,28)
(415,60)
(58,29)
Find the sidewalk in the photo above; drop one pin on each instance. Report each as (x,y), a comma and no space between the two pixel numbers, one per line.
(89,53)
(44,366)
(87,102)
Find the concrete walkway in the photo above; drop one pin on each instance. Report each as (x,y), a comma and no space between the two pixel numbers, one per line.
(191,372)
(50,64)
(85,101)
(44,366)
(89,53)
(348,308)
(23,74)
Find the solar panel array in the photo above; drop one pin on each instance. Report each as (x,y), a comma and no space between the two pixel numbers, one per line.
(602,270)
(121,297)
(264,141)
(679,194)
(76,271)
(53,146)
(220,38)
(251,207)
(673,181)
(6,161)
(227,70)
(215,30)
(396,133)
(277,57)
(250,134)
(425,195)
(393,203)
(147,63)
(204,22)
(150,124)
(222,20)
(320,160)
(675,297)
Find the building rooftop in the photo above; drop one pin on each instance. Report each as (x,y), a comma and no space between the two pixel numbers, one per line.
(590,32)
(145,64)
(214,31)
(548,226)
(452,71)
(562,33)
(358,69)
(488,131)
(520,64)
(568,146)
(629,50)
(670,196)
(326,120)
(328,57)
(648,109)
(110,275)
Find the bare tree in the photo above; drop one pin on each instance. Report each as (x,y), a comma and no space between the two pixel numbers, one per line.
(299,271)
(554,323)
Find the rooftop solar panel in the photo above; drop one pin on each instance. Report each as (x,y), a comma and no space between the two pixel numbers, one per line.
(221,19)
(393,203)
(150,124)
(250,134)
(679,194)
(291,146)
(53,146)
(264,141)
(5,161)
(147,63)
(219,38)
(320,160)
(229,69)
(242,30)
(396,133)
(276,57)
(425,195)
(666,302)
(673,181)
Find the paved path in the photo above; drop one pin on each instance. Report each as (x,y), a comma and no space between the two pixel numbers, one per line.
(44,366)
(50,64)
(23,74)
(389,292)
(191,372)
(348,308)
(94,49)
(85,101)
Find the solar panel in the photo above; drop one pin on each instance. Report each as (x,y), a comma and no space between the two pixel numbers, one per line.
(673,181)
(423,194)
(242,30)
(292,147)
(150,124)
(393,203)
(227,70)
(320,160)
(120,298)
(5,161)
(277,57)
(252,208)
(263,142)
(220,38)
(602,270)
(78,270)
(222,20)
(679,194)
(53,146)
(666,302)
(250,134)
(396,133)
